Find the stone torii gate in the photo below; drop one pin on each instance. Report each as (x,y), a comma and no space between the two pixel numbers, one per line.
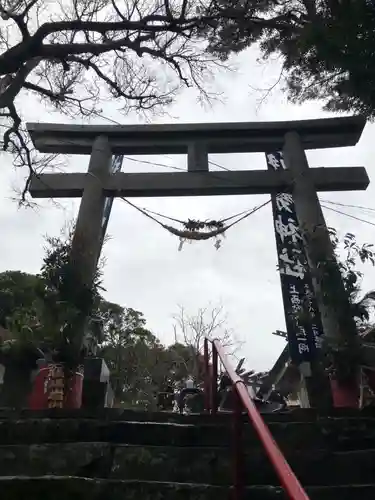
(197,141)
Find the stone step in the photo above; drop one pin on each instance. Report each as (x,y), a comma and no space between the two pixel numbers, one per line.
(181,464)
(336,434)
(63,488)
(288,416)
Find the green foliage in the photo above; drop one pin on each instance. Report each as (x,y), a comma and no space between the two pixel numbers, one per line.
(20,309)
(60,280)
(39,311)
(342,354)
(43,309)
(19,296)
(354,254)
(130,351)
(63,299)
(327,47)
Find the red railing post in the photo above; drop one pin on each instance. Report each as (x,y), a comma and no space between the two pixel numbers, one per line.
(207,383)
(214,380)
(238,456)
(288,479)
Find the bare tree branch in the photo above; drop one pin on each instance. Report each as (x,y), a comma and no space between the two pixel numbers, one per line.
(208,322)
(71,52)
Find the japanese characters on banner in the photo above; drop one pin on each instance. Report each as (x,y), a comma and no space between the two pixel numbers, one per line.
(115,167)
(301,313)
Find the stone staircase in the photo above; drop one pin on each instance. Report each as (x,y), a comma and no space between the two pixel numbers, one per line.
(124,455)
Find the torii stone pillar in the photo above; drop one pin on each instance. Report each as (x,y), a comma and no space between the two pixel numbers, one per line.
(88,235)
(338,323)
(88,230)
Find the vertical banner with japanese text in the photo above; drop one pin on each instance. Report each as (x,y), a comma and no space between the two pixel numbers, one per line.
(115,167)
(303,322)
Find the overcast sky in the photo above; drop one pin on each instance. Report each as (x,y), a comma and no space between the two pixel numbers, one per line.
(144,268)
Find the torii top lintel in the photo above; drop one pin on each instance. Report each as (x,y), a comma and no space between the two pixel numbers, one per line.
(242,137)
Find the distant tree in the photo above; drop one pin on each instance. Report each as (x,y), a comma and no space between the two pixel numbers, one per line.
(130,351)
(181,362)
(19,297)
(20,313)
(326,47)
(190,330)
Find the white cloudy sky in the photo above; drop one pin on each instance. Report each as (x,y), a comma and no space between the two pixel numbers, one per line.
(144,269)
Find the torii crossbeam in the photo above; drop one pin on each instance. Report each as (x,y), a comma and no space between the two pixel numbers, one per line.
(197,141)
(197,183)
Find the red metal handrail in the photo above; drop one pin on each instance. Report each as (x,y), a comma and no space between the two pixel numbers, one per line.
(288,479)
